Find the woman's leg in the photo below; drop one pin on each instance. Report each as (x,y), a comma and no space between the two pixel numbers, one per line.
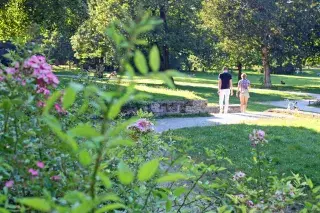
(241,103)
(245,104)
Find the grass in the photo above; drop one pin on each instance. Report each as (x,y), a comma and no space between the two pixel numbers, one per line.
(204,86)
(294,144)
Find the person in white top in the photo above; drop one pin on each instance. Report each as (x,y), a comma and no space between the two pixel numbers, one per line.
(224,89)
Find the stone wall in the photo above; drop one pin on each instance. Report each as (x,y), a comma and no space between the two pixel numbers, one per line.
(177,107)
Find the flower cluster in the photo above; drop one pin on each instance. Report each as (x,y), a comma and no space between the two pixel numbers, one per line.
(37,68)
(14,72)
(34,174)
(142,126)
(42,71)
(238,176)
(257,137)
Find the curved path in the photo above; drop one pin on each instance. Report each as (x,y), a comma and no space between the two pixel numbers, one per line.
(235,118)
(303,105)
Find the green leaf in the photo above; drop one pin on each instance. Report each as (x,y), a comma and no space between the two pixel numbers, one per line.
(2,210)
(110,207)
(120,142)
(179,191)
(84,207)
(69,98)
(120,127)
(154,59)
(315,190)
(109,197)
(51,101)
(116,107)
(6,105)
(309,182)
(141,42)
(140,62)
(36,204)
(125,174)
(148,170)
(84,130)
(85,158)
(129,69)
(166,79)
(75,196)
(168,205)
(172,177)
(105,180)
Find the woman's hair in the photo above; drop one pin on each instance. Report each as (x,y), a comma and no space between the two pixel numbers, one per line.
(243,75)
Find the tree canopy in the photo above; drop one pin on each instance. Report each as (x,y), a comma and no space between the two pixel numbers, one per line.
(195,34)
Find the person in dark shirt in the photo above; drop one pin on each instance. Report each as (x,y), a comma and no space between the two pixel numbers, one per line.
(224,89)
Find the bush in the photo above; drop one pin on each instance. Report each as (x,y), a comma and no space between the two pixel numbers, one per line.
(54,158)
(287,69)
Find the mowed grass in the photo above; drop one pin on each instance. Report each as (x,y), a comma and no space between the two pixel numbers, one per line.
(204,86)
(294,144)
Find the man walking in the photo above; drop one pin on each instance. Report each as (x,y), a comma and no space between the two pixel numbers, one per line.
(225,89)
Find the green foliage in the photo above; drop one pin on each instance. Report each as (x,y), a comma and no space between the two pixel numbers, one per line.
(76,154)
(14,21)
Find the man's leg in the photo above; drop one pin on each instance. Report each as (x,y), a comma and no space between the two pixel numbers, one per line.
(221,97)
(226,104)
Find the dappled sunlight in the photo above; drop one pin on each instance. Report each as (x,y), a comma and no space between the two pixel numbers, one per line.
(311,123)
(180,94)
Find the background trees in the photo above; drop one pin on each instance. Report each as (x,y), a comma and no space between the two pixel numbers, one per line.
(195,34)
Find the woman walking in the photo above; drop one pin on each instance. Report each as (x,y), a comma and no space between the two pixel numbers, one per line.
(243,92)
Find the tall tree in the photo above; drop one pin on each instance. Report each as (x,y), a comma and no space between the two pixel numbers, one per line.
(252,22)
(14,21)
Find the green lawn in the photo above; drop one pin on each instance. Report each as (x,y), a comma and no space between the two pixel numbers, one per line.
(204,86)
(294,144)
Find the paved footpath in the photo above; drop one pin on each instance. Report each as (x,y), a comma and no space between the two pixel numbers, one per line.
(302,104)
(235,118)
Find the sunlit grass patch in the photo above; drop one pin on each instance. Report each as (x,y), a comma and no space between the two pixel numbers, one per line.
(294,144)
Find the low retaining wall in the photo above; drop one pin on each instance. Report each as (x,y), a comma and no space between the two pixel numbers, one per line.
(177,107)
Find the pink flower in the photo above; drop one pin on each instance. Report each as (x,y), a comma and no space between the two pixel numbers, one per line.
(41,104)
(17,65)
(59,108)
(11,71)
(33,172)
(238,175)
(40,164)
(250,204)
(260,134)
(41,59)
(43,90)
(257,137)
(240,196)
(23,82)
(9,183)
(55,178)
(33,62)
(142,125)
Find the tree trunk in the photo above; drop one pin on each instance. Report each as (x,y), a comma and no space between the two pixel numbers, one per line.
(266,67)
(239,70)
(165,48)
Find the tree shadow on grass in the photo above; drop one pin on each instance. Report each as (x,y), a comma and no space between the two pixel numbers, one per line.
(292,149)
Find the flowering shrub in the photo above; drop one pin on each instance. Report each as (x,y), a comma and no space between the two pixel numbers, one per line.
(77,163)
(142,126)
